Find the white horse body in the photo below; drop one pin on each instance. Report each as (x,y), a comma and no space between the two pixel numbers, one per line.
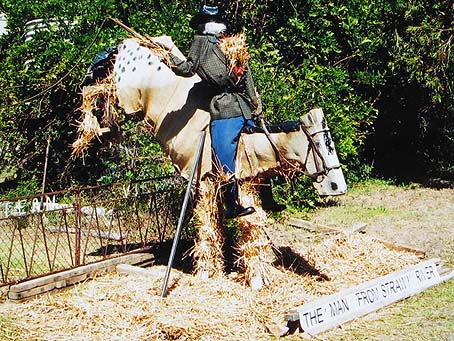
(177,109)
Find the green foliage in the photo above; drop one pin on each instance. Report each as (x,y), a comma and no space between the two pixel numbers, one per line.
(420,92)
(24,188)
(382,72)
(137,157)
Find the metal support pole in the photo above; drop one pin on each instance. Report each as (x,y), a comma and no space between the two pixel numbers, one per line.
(182,214)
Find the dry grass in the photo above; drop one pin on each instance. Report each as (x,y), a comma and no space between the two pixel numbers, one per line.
(148,42)
(207,251)
(235,49)
(118,307)
(102,93)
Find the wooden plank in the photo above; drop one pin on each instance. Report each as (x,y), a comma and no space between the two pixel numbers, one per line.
(69,277)
(334,310)
(92,233)
(133,258)
(359,227)
(399,247)
(309,225)
(22,295)
(127,269)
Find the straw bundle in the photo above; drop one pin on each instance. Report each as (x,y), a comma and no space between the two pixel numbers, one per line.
(148,42)
(207,250)
(89,128)
(235,49)
(254,246)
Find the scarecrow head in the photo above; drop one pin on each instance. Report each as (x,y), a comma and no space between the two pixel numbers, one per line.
(209,20)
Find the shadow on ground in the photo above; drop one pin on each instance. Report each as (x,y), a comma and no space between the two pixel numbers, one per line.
(286,257)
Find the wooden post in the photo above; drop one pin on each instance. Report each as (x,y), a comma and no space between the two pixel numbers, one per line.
(43,185)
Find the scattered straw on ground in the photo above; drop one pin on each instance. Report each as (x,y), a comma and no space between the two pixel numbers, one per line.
(127,307)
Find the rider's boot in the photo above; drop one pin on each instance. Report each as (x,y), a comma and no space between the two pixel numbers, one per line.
(234,209)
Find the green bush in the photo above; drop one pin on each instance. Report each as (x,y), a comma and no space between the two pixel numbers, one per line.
(382,72)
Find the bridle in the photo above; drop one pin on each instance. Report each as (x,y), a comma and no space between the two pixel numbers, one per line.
(320,163)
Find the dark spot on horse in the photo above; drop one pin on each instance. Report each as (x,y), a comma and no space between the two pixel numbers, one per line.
(159,68)
(124,46)
(118,79)
(134,58)
(123,69)
(150,63)
(149,56)
(334,186)
(129,62)
(119,66)
(133,69)
(138,48)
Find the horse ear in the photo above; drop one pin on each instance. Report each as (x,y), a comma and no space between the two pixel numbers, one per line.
(314,117)
(307,120)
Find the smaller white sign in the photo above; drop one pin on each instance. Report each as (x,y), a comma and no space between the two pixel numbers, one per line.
(3,24)
(344,306)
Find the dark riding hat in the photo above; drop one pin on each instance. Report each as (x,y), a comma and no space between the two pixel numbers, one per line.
(206,14)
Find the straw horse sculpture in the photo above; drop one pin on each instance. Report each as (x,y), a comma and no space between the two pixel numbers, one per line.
(177,110)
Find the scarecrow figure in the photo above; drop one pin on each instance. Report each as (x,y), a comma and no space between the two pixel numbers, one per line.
(221,62)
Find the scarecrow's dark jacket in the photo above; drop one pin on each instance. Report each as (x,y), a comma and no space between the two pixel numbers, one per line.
(232,98)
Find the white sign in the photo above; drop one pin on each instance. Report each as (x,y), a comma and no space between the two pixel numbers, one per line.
(23,207)
(3,24)
(333,310)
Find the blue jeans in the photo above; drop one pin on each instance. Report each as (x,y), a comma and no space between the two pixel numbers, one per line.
(224,139)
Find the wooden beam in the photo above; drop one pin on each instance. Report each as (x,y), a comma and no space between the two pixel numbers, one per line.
(359,227)
(399,247)
(92,233)
(33,287)
(127,269)
(313,227)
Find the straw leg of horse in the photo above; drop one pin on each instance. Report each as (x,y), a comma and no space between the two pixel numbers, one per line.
(177,110)
(256,256)
(207,251)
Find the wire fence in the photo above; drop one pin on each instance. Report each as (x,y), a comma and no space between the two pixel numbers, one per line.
(46,233)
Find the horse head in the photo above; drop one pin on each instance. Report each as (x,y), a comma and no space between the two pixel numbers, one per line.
(322,165)
(292,148)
